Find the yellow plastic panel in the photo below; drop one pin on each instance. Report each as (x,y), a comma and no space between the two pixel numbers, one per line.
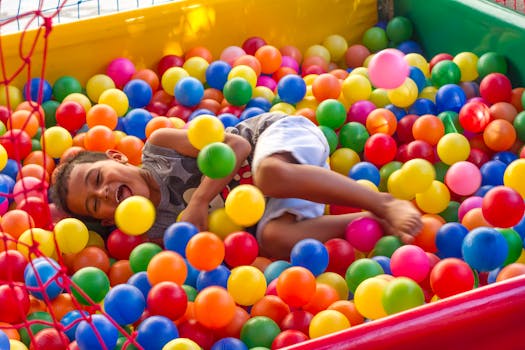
(84,48)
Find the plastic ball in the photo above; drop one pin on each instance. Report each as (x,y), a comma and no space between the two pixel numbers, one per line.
(217,74)
(64,86)
(503,207)
(353,135)
(291,89)
(241,248)
(495,87)
(499,135)
(124,303)
(510,271)
(135,215)
(205,251)
(115,98)
(375,39)
(515,244)
(451,276)
(513,176)
(93,282)
(468,65)
(450,97)
(216,160)
(331,113)
(399,29)
(259,331)
(445,72)
(435,199)
(402,294)
(171,77)
(484,249)
(360,270)
(381,120)
(449,239)
(343,159)
(71,235)
(380,149)
(368,298)
(245,205)
(205,129)
(365,171)
(453,148)
(418,174)
(189,91)
(167,266)
(270,58)
(363,233)
(167,299)
(310,254)
(139,93)
(491,62)
(229,343)
(296,286)
(181,344)
(214,307)
(410,261)
(325,87)
(327,322)
(463,178)
(98,333)
(404,95)
(154,332)
(246,285)
(388,69)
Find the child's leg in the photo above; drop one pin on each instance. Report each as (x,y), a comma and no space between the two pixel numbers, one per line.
(280,176)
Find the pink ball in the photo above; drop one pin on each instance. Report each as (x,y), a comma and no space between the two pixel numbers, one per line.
(359,110)
(410,261)
(388,69)
(363,233)
(272,288)
(463,178)
(120,70)
(231,53)
(469,204)
(29,186)
(288,61)
(266,81)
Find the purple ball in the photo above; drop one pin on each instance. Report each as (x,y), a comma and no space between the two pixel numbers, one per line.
(359,111)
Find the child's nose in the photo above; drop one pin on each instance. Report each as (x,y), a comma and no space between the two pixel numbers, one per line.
(102,192)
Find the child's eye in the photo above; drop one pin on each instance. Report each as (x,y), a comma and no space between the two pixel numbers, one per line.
(95,205)
(97,179)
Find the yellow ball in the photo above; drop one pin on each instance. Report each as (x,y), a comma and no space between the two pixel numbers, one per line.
(368,298)
(81,99)
(327,322)
(196,67)
(177,122)
(360,71)
(246,285)
(418,174)
(30,237)
(10,96)
(95,240)
(115,98)
(514,175)
(245,205)
(181,344)
(135,215)
(435,199)
(204,130)
(335,281)
(468,65)
(284,107)
(264,92)
(318,50)
(57,140)
(356,87)
(453,148)
(171,77)
(336,46)
(417,60)
(343,159)
(97,84)
(429,93)
(309,79)
(16,345)
(368,183)
(245,72)
(397,187)
(220,223)
(3,157)
(379,97)
(71,235)
(308,102)
(404,95)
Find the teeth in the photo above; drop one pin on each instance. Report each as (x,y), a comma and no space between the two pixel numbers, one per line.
(117,194)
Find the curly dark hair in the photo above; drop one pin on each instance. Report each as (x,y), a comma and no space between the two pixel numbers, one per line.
(59,190)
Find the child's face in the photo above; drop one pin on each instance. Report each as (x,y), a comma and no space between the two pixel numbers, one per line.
(96,189)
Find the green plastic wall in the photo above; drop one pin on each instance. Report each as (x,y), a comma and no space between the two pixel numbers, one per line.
(478,26)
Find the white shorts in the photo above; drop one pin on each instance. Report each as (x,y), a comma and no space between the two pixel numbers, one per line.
(299,137)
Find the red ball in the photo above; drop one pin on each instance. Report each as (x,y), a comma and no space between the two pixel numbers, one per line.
(478,157)
(15,303)
(474,116)
(287,338)
(380,149)
(179,112)
(167,62)
(49,339)
(167,299)
(193,330)
(70,115)
(404,128)
(438,58)
(38,209)
(451,276)
(252,44)
(120,245)
(241,248)
(298,320)
(12,266)
(17,144)
(496,87)
(5,113)
(420,149)
(502,206)
(340,255)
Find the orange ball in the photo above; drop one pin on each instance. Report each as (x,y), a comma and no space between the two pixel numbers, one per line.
(339,73)
(308,113)
(15,222)
(314,61)
(99,138)
(499,135)
(210,104)
(35,108)
(233,329)
(426,237)
(270,306)
(326,86)
(347,308)
(102,114)
(381,120)
(325,295)
(473,219)
(296,286)
(503,110)
(7,242)
(119,272)
(131,146)
(167,266)
(157,123)
(356,55)
(214,307)
(269,57)
(293,52)
(34,170)
(91,256)
(428,128)
(510,271)
(10,330)
(516,98)
(205,251)
(250,61)
(61,305)
(199,51)
(24,120)
(214,94)
(282,72)
(149,76)
(42,159)
(261,263)
(78,139)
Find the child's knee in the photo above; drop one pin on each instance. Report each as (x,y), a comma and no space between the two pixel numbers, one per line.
(270,173)
(271,242)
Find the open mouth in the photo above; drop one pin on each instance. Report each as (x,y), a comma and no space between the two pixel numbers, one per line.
(122,193)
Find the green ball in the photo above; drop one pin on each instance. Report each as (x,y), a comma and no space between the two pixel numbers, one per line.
(386,246)
(191,293)
(237,91)
(353,135)
(399,29)
(491,62)
(64,86)
(331,113)
(259,331)
(519,122)
(35,145)
(38,321)
(50,109)
(3,129)
(441,169)
(360,270)
(375,39)
(385,171)
(450,214)
(93,282)
(445,72)
(120,344)
(331,137)
(450,120)
(141,255)
(402,294)
(216,160)
(515,244)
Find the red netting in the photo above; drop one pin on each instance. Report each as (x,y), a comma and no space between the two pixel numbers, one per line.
(516,5)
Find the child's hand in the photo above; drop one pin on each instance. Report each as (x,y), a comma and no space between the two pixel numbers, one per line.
(196,214)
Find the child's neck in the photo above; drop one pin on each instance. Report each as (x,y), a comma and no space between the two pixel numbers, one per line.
(154,189)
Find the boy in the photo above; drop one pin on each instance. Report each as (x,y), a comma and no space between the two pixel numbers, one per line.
(288,157)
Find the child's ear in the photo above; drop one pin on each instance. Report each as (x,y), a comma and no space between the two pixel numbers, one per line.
(107,222)
(117,156)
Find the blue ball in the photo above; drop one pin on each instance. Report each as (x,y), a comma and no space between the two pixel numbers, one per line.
(200,111)
(139,93)
(229,343)
(4,340)
(491,278)
(492,173)
(384,261)
(189,91)
(310,254)
(32,90)
(365,171)
(484,249)
(192,275)
(88,333)
(418,77)
(250,112)
(260,102)
(228,119)
(42,277)
(177,236)
(11,169)
(124,303)
(398,111)
(71,320)
(216,277)
(141,281)
(423,106)
(274,269)
(135,122)
(410,46)
(450,97)
(483,190)
(291,88)
(155,332)
(217,74)
(520,229)
(506,157)
(449,240)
